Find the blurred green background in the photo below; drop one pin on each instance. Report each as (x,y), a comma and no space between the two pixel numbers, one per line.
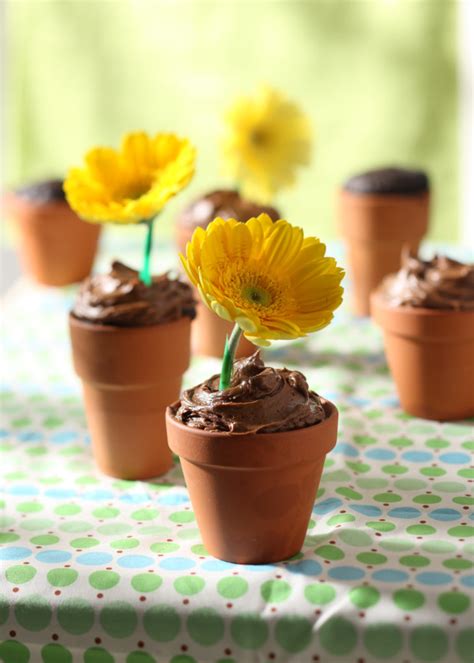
(377,77)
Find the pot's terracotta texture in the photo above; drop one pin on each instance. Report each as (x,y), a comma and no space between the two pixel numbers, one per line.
(209,330)
(129,376)
(56,247)
(376,228)
(253,493)
(430,353)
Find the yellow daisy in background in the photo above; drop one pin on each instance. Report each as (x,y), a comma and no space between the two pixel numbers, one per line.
(131,184)
(267,137)
(265,276)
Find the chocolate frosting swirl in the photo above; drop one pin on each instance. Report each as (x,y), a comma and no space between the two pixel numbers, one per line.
(260,399)
(120,299)
(40,193)
(440,283)
(226,204)
(389,181)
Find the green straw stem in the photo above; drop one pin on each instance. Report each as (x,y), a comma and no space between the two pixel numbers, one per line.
(145,274)
(231,345)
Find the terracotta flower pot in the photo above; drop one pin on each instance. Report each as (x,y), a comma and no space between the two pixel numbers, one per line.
(376,227)
(253,493)
(56,247)
(129,375)
(430,353)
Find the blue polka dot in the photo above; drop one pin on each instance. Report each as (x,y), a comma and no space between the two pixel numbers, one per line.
(23,490)
(216,565)
(61,437)
(417,456)
(392,401)
(444,514)
(346,449)
(366,509)
(326,506)
(4,433)
(390,575)
(404,512)
(173,499)
(135,561)
(380,454)
(467,581)
(357,400)
(30,436)
(135,498)
(94,558)
(434,578)
(307,567)
(14,552)
(60,493)
(346,573)
(98,494)
(177,563)
(53,556)
(455,458)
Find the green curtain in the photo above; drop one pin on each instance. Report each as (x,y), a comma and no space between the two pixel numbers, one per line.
(377,77)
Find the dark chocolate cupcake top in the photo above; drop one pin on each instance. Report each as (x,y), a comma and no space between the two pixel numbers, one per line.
(439,283)
(39,193)
(260,399)
(120,299)
(395,181)
(224,203)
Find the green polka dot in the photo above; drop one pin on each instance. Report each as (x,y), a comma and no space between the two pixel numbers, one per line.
(358,467)
(383,640)
(438,546)
(293,633)
(465,644)
(84,542)
(232,587)
(319,593)
(20,574)
(33,524)
(146,582)
(330,552)
(469,445)
(466,473)
(164,547)
(389,498)
(205,626)
(118,619)
(104,512)
(189,585)
(29,507)
(468,548)
(400,442)
(371,558)
(62,577)
(380,527)
(110,529)
(364,439)
(182,517)
(454,602)
(44,539)
(467,501)
(448,486)
(396,544)
(394,469)
(145,514)
(458,564)
(158,530)
(409,484)
(364,597)
(12,651)
(429,643)
(74,526)
(4,609)
(67,509)
(349,493)
(371,483)
(436,443)
(408,599)
(142,657)
(421,530)
(8,537)
(189,533)
(103,579)
(199,549)
(354,537)
(162,623)
(415,561)
(433,471)
(338,636)
(275,591)
(76,616)
(427,499)
(6,521)
(33,612)
(340,518)
(249,630)
(461,531)
(124,544)
(97,655)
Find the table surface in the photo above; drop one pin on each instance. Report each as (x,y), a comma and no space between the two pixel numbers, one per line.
(99,570)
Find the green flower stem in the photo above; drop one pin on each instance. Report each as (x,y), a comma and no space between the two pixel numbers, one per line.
(145,274)
(231,345)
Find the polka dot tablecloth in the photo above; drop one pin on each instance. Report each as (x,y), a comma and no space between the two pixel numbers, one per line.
(97,570)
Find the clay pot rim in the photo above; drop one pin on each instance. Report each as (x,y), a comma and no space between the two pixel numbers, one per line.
(111,329)
(329,408)
(383,198)
(377,300)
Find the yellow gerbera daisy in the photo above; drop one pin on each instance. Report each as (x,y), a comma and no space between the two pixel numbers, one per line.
(265,276)
(131,184)
(267,137)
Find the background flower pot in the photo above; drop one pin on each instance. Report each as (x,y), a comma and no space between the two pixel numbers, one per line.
(253,493)
(430,353)
(56,247)
(375,228)
(129,375)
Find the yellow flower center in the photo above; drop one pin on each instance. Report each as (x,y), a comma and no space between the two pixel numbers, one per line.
(256,295)
(251,289)
(259,138)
